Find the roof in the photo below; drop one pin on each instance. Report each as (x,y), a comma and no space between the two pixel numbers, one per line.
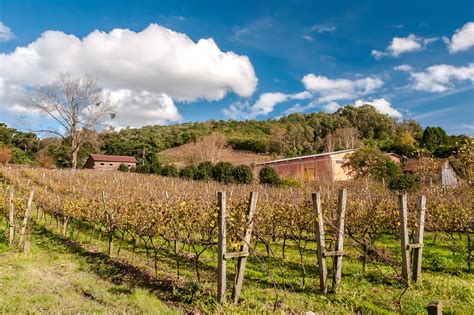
(306,156)
(112,158)
(412,165)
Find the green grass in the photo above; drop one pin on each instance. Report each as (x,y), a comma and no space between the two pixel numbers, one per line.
(51,279)
(60,274)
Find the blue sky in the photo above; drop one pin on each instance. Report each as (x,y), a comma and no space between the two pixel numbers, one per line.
(247,59)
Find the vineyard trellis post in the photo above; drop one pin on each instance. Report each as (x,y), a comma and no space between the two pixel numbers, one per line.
(402,202)
(11,222)
(222,248)
(338,252)
(418,250)
(323,273)
(244,249)
(418,245)
(25,218)
(340,239)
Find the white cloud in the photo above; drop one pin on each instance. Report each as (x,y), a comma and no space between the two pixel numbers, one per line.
(441,78)
(263,106)
(331,107)
(156,61)
(382,105)
(462,40)
(339,89)
(135,109)
(404,68)
(308,38)
(301,95)
(401,45)
(6,33)
(318,28)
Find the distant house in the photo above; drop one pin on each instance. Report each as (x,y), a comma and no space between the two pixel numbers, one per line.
(324,166)
(109,162)
(444,172)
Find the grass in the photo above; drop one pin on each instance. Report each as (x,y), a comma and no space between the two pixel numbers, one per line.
(74,276)
(52,279)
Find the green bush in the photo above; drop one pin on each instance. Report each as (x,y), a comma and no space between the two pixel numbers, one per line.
(123,168)
(269,176)
(142,168)
(169,170)
(204,171)
(188,172)
(291,182)
(242,174)
(404,182)
(222,172)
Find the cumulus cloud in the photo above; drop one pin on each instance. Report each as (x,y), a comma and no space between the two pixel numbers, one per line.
(462,40)
(264,105)
(401,45)
(338,89)
(141,108)
(382,105)
(6,33)
(441,78)
(153,63)
(331,107)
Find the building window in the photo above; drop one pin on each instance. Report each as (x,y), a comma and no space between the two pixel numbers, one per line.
(339,161)
(111,164)
(102,163)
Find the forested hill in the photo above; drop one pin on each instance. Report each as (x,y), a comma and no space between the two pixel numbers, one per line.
(291,135)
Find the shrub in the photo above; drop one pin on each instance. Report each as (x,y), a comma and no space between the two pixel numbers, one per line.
(204,171)
(143,168)
(44,160)
(5,155)
(291,182)
(242,174)
(123,168)
(404,182)
(222,172)
(188,172)
(269,176)
(169,170)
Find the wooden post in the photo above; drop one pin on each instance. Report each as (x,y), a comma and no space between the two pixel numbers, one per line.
(221,248)
(402,202)
(11,220)
(25,218)
(239,277)
(323,274)
(435,308)
(337,260)
(418,251)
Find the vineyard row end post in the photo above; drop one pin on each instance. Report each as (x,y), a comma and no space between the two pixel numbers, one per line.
(402,202)
(339,240)
(418,248)
(221,248)
(244,249)
(11,222)
(323,273)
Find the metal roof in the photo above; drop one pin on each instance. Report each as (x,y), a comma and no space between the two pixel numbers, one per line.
(306,156)
(112,158)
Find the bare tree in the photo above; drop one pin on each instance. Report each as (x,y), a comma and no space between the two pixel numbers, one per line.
(78,105)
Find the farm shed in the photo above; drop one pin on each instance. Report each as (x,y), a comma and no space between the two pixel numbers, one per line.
(443,173)
(323,166)
(109,162)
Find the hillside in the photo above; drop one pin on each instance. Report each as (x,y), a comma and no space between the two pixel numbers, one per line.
(249,140)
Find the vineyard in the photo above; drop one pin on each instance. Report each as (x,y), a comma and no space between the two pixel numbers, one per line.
(168,229)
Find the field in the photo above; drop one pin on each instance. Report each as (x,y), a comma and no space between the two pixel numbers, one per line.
(115,242)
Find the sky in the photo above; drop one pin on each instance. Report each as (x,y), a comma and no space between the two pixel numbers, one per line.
(165,62)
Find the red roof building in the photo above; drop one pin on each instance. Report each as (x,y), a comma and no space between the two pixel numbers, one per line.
(109,162)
